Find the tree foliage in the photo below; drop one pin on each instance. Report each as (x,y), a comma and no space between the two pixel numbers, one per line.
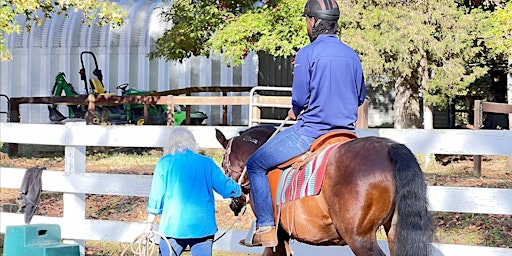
(498,33)
(36,11)
(428,48)
(276,29)
(232,29)
(430,40)
(193,24)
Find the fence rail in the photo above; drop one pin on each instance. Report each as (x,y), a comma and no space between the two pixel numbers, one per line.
(75,182)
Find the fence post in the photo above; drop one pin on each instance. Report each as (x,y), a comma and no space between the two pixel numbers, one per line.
(362,115)
(477,159)
(74,204)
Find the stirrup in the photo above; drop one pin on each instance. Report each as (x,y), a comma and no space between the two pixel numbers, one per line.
(250,235)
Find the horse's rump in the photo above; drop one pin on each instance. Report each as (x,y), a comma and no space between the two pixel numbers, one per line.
(358,180)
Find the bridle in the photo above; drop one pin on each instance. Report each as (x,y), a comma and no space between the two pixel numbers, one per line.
(230,169)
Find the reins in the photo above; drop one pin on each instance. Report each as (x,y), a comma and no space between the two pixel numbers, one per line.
(280,127)
(233,224)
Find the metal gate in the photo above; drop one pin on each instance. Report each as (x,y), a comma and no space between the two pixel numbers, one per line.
(254,105)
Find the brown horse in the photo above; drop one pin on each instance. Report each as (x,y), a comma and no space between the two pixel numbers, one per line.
(368,183)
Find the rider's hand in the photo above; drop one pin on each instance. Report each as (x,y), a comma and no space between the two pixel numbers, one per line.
(291,115)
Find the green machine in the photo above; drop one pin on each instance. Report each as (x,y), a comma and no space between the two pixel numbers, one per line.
(120,114)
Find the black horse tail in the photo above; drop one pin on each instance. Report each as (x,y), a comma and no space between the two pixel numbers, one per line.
(414,226)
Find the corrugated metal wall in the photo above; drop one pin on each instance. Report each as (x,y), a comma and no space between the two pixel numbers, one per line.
(55,47)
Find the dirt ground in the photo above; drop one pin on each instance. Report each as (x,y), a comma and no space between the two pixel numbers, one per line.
(454,228)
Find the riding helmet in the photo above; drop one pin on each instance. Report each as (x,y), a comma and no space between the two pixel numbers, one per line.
(322,9)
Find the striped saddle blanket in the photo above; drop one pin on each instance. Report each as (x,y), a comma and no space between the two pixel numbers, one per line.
(306,180)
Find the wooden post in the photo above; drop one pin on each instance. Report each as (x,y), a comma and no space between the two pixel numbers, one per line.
(256,114)
(187,113)
(477,159)
(224,111)
(170,110)
(146,113)
(362,116)
(91,107)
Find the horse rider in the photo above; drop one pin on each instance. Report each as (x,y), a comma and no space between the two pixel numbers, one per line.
(328,87)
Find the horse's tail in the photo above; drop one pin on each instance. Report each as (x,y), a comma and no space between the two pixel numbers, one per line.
(414,226)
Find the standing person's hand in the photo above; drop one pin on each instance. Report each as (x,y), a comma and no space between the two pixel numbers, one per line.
(291,115)
(148,228)
(149,223)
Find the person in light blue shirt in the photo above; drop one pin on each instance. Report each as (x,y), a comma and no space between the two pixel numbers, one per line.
(328,87)
(182,192)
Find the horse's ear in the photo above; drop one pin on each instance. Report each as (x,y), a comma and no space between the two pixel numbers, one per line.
(221,138)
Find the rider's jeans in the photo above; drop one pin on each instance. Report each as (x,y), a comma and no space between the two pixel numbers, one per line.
(280,148)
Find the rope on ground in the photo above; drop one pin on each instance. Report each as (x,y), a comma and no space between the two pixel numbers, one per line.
(144,244)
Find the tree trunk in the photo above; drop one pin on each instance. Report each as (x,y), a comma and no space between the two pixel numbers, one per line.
(406,105)
(428,116)
(509,87)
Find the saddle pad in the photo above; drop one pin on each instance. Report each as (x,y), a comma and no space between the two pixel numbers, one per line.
(306,181)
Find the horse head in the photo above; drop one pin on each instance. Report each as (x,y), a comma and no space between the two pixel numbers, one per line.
(237,151)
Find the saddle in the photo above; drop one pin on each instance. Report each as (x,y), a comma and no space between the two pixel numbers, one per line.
(278,181)
(320,143)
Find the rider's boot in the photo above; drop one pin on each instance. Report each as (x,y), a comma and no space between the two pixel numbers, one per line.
(264,236)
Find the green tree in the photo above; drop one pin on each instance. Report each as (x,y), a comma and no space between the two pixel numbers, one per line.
(194,22)
(36,11)
(413,47)
(417,48)
(498,38)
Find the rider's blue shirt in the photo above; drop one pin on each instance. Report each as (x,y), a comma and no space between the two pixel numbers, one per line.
(182,192)
(328,79)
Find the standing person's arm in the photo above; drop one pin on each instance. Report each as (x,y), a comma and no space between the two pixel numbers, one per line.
(223,185)
(157,192)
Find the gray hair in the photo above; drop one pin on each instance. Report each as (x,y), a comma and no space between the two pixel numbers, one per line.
(180,139)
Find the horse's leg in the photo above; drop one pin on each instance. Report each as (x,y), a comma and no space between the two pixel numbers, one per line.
(391,233)
(282,249)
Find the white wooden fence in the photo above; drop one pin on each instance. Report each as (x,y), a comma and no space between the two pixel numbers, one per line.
(75,182)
